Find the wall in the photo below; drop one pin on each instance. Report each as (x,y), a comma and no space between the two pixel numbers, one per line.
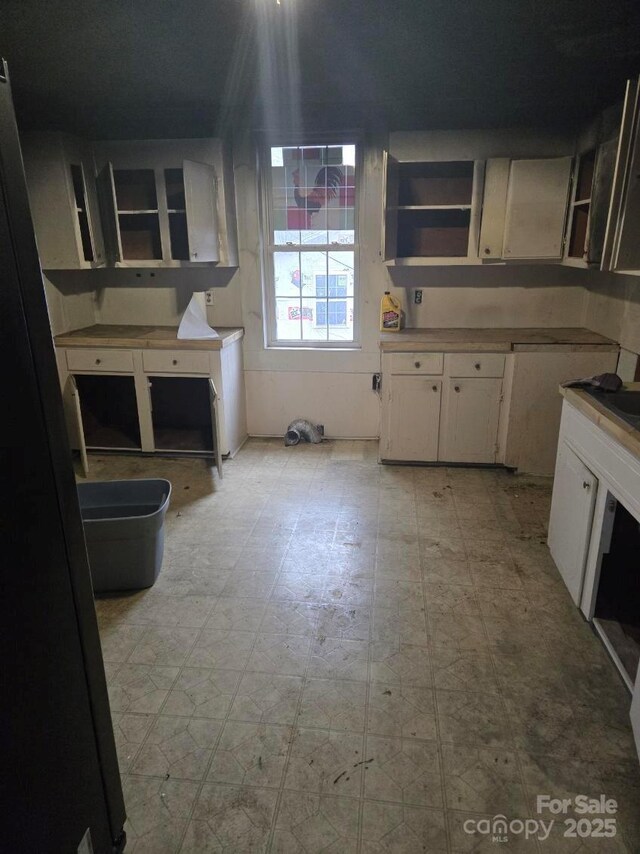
(613,308)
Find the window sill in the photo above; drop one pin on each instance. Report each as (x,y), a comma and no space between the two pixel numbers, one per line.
(310,349)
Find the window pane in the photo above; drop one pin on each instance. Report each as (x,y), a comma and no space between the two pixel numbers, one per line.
(289,319)
(316,329)
(286,274)
(341,313)
(313,194)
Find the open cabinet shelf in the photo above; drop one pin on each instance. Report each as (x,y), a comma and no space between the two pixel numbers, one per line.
(432,211)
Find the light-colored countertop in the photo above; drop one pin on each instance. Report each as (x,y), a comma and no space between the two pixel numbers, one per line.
(595,411)
(501,340)
(145,338)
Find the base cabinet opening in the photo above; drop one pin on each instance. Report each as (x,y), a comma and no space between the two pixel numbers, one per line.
(109,411)
(617,608)
(181,415)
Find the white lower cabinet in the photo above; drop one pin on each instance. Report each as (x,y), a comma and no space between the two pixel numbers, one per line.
(413,418)
(162,401)
(469,420)
(596,475)
(574,496)
(430,415)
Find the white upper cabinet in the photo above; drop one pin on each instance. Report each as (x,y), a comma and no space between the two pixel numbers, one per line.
(167,203)
(431,211)
(135,203)
(470,197)
(530,200)
(621,246)
(589,204)
(60,175)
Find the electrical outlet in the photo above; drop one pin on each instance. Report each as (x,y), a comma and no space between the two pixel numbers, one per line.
(417,296)
(208,297)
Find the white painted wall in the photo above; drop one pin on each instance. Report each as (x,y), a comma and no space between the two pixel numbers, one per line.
(612,307)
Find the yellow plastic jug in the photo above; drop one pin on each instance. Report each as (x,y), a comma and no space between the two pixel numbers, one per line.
(390,313)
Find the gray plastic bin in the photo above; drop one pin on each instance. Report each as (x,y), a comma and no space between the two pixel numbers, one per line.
(124,529)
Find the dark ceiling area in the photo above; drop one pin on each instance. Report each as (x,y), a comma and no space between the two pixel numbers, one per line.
(191,68)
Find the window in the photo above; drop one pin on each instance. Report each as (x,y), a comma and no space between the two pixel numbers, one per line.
(309,220)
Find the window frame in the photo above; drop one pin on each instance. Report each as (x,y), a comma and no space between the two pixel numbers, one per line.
(268,248)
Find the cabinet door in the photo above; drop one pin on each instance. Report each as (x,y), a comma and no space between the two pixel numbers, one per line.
(600,200)
(627,246)
(412,415)
(109,214)
(628,134)
(536,208)
(201,207)
(73,415)
(494,206)
(572,503)
(389,240)
(635,712)
(469,423)
(215,425)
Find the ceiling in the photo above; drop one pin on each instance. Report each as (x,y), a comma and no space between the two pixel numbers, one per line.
(110,68)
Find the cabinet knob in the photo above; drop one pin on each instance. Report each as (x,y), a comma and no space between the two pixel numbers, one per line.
(417,364)
(434,387)
(98,361)
(456,388)
(477,366)
(487,250)
(586,485)
(174,362)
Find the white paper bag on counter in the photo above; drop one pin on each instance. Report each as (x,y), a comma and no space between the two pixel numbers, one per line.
(194,320)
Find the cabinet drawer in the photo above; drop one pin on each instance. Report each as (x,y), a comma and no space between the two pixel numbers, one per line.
(100,360)
(474,364)
(416,363)
(175,362)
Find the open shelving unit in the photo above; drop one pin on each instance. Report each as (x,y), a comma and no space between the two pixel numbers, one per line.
(432,210)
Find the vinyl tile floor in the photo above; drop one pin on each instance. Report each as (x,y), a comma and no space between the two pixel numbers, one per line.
(345,657)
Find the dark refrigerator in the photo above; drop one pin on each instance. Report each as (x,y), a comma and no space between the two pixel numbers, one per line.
(60,789)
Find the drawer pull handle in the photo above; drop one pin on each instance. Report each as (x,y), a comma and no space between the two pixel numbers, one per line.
(434,387)
(456,388)
(98,361)
(417,364)
(174,361)
(477,366)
